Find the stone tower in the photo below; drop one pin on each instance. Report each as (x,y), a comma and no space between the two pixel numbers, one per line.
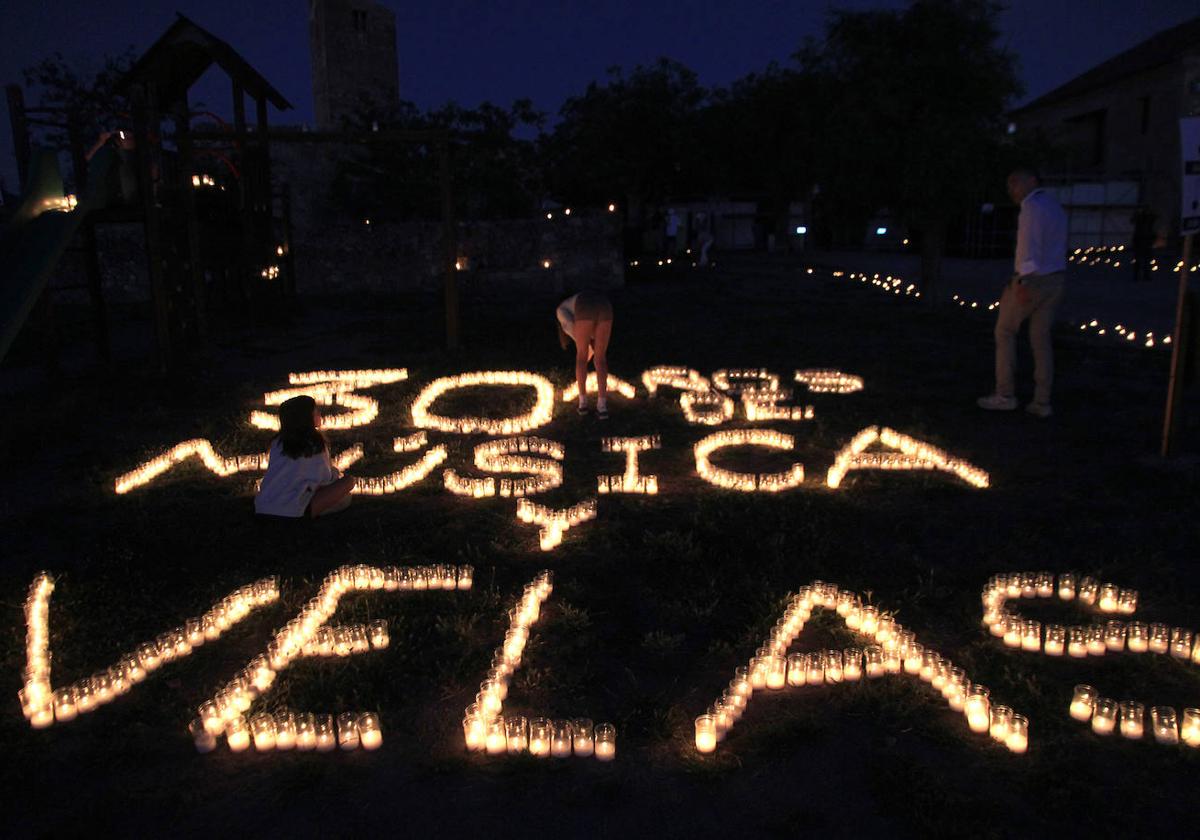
(353,46)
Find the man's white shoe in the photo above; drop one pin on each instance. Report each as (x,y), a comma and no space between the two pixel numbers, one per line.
(1042,410)
(995,402)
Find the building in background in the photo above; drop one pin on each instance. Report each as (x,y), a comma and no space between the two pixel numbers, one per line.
(354,68)
(1115,134)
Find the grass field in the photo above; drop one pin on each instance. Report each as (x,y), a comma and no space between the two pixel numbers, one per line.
(655,602)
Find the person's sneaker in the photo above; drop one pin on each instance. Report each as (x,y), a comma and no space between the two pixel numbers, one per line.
(995,402)
(1042,410)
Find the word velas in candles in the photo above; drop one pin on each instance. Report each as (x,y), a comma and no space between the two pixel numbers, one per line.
(42,704)
(487,729)
(630,481)
(909,454)
(746,482)
(223,714)
(890,649)
(539,415)
(1098,639)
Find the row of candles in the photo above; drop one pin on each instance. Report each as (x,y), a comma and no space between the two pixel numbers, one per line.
(911,454)
(486,729)
(1110,255)
(363,409)
(405,477)
(541,413)
(671,376)
(149,470)
(892,650)
(829,381)
(517,455)
(614,385)
(43,705)
(631,481)
(554,523)
(1113,636)
(746,482)
(706,408)
(764,405)
(885,283)
(223,713)
(350,639)
(285,731)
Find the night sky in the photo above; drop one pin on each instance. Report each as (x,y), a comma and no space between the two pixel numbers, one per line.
(500,51)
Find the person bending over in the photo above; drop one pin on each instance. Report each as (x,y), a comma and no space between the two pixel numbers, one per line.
(301,480)
(586,319)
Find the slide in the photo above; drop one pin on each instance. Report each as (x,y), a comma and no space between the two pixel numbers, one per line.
(34,240)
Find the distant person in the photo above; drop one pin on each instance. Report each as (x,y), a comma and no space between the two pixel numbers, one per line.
(1144,235)
(704,238)
(1033,293)
(586,319)
(671,242)
(301,481)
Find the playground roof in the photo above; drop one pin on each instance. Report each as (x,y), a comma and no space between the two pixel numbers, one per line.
(182,55)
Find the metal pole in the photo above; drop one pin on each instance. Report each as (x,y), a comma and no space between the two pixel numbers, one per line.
(450,246)
(1179,350)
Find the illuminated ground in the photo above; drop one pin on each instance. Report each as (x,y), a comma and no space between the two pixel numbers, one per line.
(656,601)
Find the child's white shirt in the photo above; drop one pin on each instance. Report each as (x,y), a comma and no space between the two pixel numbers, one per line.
(290,483)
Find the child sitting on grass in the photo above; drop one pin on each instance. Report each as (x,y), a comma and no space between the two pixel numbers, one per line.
(300,479)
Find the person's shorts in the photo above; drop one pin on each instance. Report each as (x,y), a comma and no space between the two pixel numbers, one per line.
(593,306)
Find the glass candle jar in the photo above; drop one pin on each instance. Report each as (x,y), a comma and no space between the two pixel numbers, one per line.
(833,666)
(495,737)
(706,734)
(306,732)
(815,667)
(1104,716)
(1045,584)
(326,737)
(347,731)
(776,672)
(1096,644)
(539,737)
(978,709)
(1160,638)
(1001,718)
(1012,632)
(237,734)
(1114,635)
(560,738)
(929,664)
(1181,642)
(205,741)
(1127,601)
(758,672)
(583,737)
(852,664)
(285,731)
(64,705)
(1083,702)
(1018,734)
(1056,640)
(1137,637)
(606,742)
(377,632)
(263,727)
(913,655)
(1028,584)
(1066,586)
(1031,636)
(956,689)
(516,734)
(1164,724)
(893,662)
(1077,642)
(370,732)
(1089,589)
(941,674)
(1189,728)
(1108,599)
(1132,716)
(796,674)
(869,623)
(873,662)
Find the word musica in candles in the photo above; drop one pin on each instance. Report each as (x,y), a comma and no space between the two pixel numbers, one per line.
(223,714)
(487,729)
(539,415)
(43,704)
(1082,641)
(890,649)
(746,482)
(615,385)
(554,523)
(910,454)
(630,481)
(514,455)
(829,381)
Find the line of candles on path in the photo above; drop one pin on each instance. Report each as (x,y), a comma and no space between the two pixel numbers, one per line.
(300,731)
(910,454)
(746,482)
(1111,256)
(554,523)
(43,705)
(615,385)
(515,455)
(631,481)
(486,729)
(541,413)
(890,650)
(224,712)
(1079,641)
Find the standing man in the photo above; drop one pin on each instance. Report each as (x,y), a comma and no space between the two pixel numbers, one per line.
(1143,221)
(1034,293)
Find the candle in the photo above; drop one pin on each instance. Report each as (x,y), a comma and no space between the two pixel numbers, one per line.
(776,672)
(496,737)
(852,659)
(1181,643)
(1056,636)
(1012,632)
(516,733)
(929,664)
(1132,716)
(237,734)
(1104,717)
(347,731)
(1097,644)
(1160,638)
(1082,702)
(369,733)
(474,732)
(205,741)
(539,737)
(1190,728)
(1089,590)
(1163,721)
(1138,637)
(977,709)
(1127,601)
(913,656)
(606,742)
(1066,586)
(893,662)
(560,738)
(325,735)
(1031,636)
(263,726)
(1018,734)
(582,737)
(815,668)
(306,733)
(285,731)
(1114,635)
(706,734)
(796,675)
(64,705)
(873,657)
(833,666)
(1045,584)
(1077,644)
(1001,718)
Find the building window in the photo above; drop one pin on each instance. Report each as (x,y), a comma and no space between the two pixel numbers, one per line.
(1145,103)
(1085,138)
(360,19)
